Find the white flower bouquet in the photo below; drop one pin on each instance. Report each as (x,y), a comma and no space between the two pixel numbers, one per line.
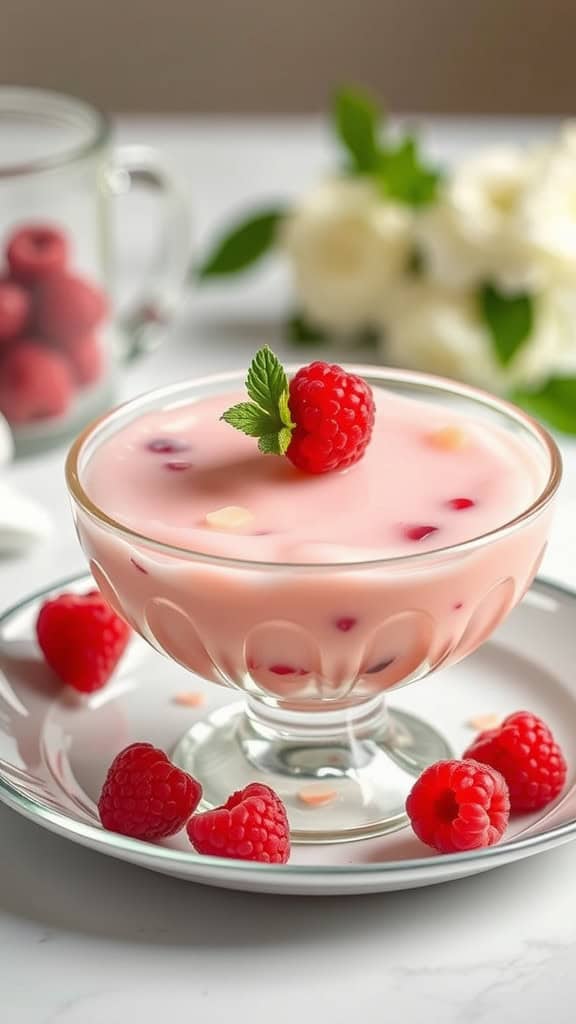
(470,273)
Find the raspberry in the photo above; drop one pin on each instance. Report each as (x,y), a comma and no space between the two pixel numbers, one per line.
(36,250)
(35,382)
(14,310)
(524,751)
(334,415)
(459,805)
(68,308)
(145,796)
(86,359)
(82,639)
(252,825)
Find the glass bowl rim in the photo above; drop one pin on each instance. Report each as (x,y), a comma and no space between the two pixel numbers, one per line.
(424,380)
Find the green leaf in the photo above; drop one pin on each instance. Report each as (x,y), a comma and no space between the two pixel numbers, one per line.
(245,244)
(268,415)
(300,331)
(266,381)
(555,403)
(403,176)
(250,419)
(269,444)
(356,120)
(284,410)
(508,318)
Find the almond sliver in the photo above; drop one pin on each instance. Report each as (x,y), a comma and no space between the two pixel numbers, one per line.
(189,699)
(317,796)
(450,439)
(232,517)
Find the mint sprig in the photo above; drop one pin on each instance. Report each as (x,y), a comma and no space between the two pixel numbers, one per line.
(509,320)
(267,416)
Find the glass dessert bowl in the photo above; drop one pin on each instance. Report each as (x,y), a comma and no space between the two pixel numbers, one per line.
(314,644)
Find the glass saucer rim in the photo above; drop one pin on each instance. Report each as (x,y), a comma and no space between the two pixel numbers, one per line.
(103,840)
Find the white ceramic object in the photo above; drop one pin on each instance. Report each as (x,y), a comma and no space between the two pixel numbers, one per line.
(55,748)
(23,522)
(6,443)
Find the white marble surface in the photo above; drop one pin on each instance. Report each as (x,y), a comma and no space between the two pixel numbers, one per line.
(86,940)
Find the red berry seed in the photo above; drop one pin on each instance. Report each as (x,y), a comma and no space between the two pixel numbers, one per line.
(35,383)
(346,623)
(525,752)
(166,445)
(251,825)
(82,639)
(35,251)
(419,532)
(458,504)
(145,796)
(14,310)
(459,805)
(334,416)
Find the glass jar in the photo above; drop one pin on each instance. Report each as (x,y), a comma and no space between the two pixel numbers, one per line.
(61,332)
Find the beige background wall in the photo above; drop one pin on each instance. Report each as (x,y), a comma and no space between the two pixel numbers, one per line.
(286,55)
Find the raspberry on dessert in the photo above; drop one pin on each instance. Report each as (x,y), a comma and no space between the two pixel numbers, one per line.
(334,416)
(35,382)
(14,310)
(251,825)
(459,805)
(321,421)
(419,532)
(145,796)
(87,361)
(68,308)
(35,251)
(525,752)
(82,639)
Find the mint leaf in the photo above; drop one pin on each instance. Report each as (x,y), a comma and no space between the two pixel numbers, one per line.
(266,381)
(300,331)
(268,415)
(245,244)
(284,410)
(508,318)
(250,419)
(356,119)
(555,403)
(402,174)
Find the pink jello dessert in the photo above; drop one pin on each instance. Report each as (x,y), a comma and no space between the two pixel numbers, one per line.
(316,594)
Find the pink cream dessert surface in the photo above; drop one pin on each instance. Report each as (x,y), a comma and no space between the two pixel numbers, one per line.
(301,587)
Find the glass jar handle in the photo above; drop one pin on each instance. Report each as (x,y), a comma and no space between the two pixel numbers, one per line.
(143,322)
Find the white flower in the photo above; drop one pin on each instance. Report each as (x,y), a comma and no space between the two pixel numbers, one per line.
(347,245)
(545,220)
(469,235)
(439,331)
